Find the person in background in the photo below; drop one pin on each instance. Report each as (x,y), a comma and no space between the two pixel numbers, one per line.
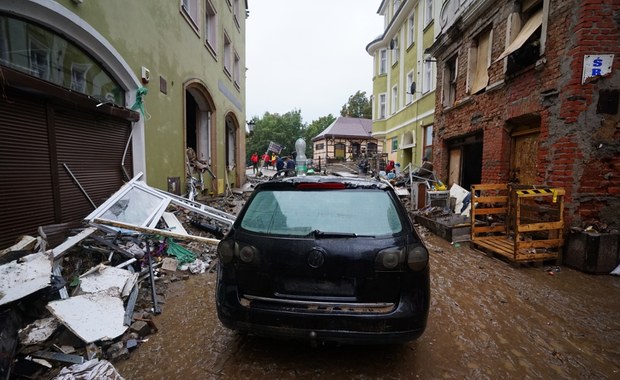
(254,160)
(280,163)
(389,167)
(290,164)
(273,160)
(266,160)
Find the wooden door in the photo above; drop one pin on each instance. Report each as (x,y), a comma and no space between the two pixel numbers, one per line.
(524,168)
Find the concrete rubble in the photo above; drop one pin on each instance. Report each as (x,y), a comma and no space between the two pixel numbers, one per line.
(86,302)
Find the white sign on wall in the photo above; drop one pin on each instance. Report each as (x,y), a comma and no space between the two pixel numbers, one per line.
(595,65)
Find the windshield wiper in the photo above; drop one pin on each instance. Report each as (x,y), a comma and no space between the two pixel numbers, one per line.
(323,234)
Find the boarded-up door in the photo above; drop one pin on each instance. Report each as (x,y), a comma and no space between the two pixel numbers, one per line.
(454,175)
(523,168)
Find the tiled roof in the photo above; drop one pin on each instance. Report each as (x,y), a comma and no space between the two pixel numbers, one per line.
(347,127)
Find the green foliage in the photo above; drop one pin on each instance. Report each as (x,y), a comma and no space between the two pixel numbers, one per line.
(281,129)
(357,106)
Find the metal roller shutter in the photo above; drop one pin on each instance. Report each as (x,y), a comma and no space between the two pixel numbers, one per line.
(35,187)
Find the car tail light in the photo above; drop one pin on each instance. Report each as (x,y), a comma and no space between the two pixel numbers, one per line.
(247,254)
(226,250)
(390,259)
(394,258)
(417,257)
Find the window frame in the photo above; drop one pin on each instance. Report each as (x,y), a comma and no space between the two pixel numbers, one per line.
(191,13)
(227,61)
(410,80)
(411,29)
(211,27)
(394,100)
(450,76)
(427,138)
(427,80)
(395,50)
(428,12)
(477,56)
(383,62)
(382,106)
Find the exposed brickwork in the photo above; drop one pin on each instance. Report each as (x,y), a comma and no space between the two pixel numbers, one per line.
(579,149)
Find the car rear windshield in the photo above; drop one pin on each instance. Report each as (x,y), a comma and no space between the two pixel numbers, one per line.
(298,213)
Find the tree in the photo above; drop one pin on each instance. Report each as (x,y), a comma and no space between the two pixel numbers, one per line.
(281,129)
(357,106)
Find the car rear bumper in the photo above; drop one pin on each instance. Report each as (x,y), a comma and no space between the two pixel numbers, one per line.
(382,324)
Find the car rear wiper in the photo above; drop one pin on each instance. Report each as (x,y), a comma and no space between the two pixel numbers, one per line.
(323,234)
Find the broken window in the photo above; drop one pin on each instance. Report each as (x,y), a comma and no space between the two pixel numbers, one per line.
(479,62)
(524,33)
(449,81)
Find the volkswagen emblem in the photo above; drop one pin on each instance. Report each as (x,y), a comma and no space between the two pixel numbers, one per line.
(316,258)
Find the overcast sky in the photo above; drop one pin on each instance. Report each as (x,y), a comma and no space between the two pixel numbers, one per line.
(308,55)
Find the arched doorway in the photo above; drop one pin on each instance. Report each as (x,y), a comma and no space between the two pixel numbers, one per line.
(200,134)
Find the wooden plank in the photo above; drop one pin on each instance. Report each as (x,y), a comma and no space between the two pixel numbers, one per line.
(155,231)
(491,186)
(491,199)
(550,243)
(487,229)
(540,226)
(488,211)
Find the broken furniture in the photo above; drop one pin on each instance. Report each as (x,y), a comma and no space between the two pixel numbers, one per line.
(520,223)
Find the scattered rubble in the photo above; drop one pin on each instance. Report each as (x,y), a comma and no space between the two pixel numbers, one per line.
(72,306)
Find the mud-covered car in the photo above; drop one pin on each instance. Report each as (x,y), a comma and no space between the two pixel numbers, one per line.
(325,259)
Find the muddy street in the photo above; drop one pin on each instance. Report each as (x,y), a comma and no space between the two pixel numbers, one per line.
(488,320)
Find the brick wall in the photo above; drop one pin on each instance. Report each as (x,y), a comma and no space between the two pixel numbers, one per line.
(579,147)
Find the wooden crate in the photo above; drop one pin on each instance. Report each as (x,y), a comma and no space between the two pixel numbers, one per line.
(520,223)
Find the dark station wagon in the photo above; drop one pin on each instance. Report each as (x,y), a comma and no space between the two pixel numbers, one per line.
(328,259)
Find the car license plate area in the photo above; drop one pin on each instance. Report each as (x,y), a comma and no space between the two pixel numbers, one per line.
(307,288)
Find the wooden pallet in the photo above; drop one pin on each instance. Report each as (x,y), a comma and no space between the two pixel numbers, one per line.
(522,224)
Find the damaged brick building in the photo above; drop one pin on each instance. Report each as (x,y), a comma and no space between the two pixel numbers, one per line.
(528,92)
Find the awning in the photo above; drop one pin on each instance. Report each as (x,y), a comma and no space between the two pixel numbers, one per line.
(526,32)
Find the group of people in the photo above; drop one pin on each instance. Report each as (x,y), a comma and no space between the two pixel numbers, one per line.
(276,162)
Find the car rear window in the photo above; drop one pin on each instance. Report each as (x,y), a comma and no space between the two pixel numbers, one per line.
(297,213)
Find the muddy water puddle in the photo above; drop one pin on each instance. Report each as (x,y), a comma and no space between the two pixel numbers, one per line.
(488,320)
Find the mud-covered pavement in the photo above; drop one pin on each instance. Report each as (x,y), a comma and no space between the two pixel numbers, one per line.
(488,320)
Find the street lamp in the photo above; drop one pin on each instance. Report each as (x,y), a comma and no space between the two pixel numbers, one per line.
(251,125)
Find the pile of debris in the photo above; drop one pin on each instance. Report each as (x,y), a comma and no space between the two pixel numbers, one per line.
(77,298)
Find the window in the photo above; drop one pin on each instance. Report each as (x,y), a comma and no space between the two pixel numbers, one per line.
(231,144)
(394,99)
(396,5)
(211,26)
(33,50)
(427,81)
(236,70)
(190,9)
(235,6)
(525,33)
(394,144)
(411,29)
(320,146)
(395,50)
(427,149)
(409,83)
(39,59)
(382,109)
(227,55)
(275,211)
(382,61)
(78,77)
(449,82)
(428,12)
(479,62)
